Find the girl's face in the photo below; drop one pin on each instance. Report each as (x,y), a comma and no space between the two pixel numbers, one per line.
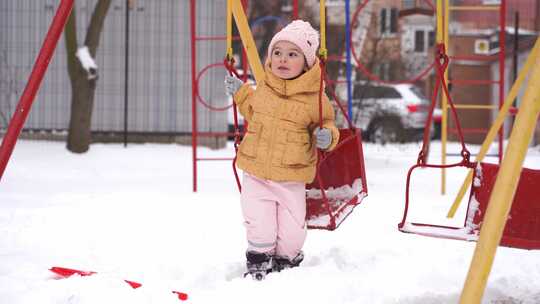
(287,60)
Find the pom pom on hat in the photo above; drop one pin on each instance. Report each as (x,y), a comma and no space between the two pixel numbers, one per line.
(303,35)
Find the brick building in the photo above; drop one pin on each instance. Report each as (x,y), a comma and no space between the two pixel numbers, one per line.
(475,35)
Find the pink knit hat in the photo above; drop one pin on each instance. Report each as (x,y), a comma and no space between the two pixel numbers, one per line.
(302,34)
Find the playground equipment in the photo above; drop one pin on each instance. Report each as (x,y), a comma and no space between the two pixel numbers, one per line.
(522,229)
(503,208)
(504,194)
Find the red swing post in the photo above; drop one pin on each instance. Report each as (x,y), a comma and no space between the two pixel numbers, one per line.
(34,82)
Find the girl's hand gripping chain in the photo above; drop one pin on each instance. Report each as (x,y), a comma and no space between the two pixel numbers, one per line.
(324,138)
(232,85)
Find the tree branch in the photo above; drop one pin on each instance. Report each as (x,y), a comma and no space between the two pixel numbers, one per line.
(70,36)
(96,26)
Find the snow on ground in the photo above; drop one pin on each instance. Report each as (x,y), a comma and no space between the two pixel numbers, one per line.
(130,213)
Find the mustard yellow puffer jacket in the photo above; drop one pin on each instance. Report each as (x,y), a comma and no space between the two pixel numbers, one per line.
(279,144)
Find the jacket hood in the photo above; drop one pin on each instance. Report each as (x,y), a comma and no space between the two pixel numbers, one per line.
(308,82)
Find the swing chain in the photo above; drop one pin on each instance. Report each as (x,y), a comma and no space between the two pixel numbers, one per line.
(421,158)
(322,64)
(229,65)
(442,65)
(441,57)
(228,61)
(466,156)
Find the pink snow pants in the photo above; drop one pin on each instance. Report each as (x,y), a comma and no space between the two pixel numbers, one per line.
(274,215)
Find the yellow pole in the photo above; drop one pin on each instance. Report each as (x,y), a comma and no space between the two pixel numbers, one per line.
(229,30)
(323,52)
(444,99)
(247,40)
(493,131)
(503,192)
(441,38)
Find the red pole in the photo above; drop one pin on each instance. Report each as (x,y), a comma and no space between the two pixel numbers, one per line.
(295,9)
(502,63)
(34,82)
(192,18)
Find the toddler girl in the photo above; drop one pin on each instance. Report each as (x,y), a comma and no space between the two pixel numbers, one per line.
(278,152)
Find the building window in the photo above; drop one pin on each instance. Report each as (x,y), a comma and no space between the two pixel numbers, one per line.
(423,40)
(382,21)
(419,42)
(393,20)
(431,38)
(383,70)
(388,21)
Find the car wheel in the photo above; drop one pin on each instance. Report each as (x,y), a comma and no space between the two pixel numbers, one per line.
(386,130)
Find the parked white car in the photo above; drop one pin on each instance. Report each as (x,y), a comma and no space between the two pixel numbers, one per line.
(388,113)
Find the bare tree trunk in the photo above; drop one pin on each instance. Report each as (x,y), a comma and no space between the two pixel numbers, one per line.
(83,87)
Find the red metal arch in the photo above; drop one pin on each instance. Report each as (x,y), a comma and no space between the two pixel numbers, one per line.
(198,95)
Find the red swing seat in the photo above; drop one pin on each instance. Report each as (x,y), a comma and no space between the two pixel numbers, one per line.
(522,228)
(341,176)
(340,183)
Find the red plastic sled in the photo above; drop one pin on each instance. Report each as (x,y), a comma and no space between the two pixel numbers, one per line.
(340,184)
(67,272)
(522,228)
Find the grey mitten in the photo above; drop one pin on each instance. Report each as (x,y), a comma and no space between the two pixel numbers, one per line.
(232,84)
(324,138)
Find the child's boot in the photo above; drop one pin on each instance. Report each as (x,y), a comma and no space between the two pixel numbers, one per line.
(258,264)
(280,262)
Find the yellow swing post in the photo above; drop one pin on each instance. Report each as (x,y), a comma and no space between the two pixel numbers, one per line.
(247,40)
(323,52)
(443,12)
(501,198)
(229,30)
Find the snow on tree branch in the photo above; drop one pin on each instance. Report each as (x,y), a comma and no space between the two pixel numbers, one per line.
(87,62)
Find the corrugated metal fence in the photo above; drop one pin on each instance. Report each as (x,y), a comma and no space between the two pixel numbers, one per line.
(159,88)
